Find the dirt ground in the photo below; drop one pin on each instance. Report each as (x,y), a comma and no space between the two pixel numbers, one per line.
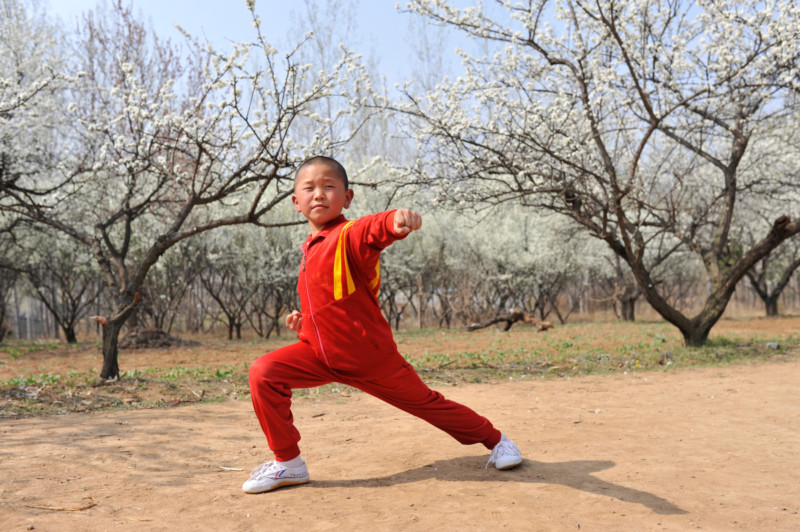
(717,449)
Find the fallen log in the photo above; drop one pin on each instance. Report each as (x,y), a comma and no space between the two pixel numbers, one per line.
(512,318)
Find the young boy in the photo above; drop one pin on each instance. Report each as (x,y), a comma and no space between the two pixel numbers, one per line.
(343,334)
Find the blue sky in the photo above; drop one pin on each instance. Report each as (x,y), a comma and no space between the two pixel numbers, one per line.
(382,31)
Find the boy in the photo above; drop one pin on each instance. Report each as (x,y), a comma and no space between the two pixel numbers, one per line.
(343,334)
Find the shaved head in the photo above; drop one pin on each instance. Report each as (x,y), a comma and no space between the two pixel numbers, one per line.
(332,163)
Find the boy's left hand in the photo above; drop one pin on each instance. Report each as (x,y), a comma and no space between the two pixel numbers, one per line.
(294,321)
(405,221)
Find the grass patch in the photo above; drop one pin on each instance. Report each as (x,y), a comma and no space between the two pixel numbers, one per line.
(585,349)
(442,357)
(21,348)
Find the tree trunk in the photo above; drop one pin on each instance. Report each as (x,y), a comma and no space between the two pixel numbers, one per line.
(69,333)
(56,327)
(28,320)
(17,329)
(420,302)
(3,329)
(134,317)
(696,336)
(694,330)
(628,309)
(111,329)
(273,326)
(111,332)
(771,304)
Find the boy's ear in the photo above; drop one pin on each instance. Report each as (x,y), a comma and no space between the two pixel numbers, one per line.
(348,197)
(296,203)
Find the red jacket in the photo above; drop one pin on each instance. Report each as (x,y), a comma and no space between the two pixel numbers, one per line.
(338,285)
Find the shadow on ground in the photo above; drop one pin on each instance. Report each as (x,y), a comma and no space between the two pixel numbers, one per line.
(577,474)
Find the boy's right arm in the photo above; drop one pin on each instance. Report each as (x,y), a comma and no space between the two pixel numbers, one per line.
(372,233)
(381,229)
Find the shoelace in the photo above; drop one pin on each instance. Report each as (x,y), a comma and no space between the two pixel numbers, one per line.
(260,470)
(504,447)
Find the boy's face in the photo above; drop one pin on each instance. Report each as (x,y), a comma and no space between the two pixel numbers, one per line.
(319,195)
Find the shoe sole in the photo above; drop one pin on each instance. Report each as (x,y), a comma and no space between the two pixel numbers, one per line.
(281,484)
(510,466)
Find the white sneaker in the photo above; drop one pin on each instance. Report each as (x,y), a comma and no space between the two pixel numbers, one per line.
(271,475)
(505,455)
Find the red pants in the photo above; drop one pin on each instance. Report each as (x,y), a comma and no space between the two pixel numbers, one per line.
(274,375)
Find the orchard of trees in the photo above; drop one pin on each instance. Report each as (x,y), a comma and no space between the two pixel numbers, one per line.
(592,156)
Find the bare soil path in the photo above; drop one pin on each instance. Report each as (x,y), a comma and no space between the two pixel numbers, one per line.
(712,449)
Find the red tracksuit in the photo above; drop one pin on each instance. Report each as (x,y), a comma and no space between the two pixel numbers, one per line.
(345,338)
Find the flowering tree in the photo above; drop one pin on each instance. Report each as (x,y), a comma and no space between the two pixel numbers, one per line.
(169,282)
(31,73)
(274,293)
(61,275)
(31,65)
(637,119)
(8,275)
(168,145)
(251,275)
(770,277)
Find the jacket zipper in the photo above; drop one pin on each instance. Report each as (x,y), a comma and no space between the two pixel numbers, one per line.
(304,249)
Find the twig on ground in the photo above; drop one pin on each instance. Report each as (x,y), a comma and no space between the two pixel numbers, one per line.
(91,504)
(198,395)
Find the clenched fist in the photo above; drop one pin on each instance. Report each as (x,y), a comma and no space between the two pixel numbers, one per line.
(405,221)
